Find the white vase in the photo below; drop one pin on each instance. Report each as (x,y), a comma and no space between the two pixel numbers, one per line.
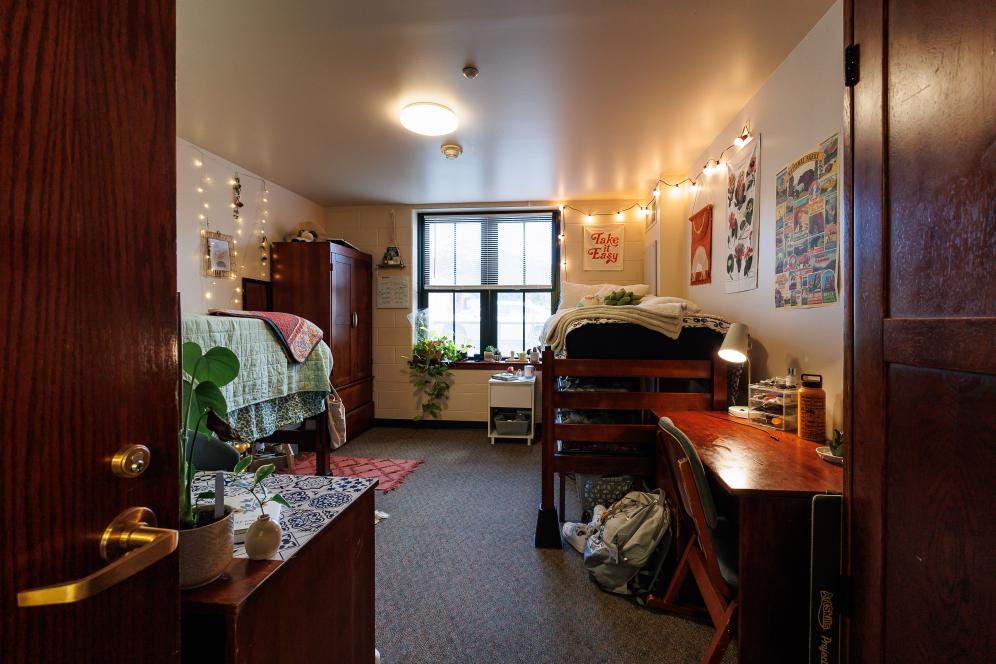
(206,551)
(263,538)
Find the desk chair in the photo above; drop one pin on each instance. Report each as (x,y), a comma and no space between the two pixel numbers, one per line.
(210,453)
(711,553)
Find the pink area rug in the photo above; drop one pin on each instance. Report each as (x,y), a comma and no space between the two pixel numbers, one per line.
(391,473)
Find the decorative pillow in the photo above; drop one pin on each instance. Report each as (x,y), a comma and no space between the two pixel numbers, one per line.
(580,295)
(637,289)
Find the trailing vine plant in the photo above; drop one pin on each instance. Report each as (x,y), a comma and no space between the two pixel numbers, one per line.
(429,368)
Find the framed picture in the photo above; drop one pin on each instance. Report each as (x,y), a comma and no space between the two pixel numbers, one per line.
(217,255)
(651,217)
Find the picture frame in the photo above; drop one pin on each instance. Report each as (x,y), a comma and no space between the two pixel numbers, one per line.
(218,255)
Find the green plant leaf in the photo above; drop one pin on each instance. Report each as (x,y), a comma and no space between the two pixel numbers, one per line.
(219,365)
(263,472)
(190,352)
(243,463)
(210,397)
(277,498)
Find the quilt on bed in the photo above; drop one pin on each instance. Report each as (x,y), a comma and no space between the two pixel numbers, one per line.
(270,392)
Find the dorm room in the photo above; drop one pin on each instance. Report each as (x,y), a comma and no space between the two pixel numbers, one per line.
(458,331)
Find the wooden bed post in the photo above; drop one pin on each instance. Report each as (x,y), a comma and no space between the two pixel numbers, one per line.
(322,443)
(719,389)
(547,522)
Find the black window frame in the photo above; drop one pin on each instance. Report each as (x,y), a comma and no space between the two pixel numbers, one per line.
(489,296)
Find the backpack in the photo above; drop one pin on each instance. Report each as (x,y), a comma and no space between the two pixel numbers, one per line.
(630,532)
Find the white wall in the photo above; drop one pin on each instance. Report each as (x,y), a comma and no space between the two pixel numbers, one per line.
(369,229)
(285,209)
(800,105)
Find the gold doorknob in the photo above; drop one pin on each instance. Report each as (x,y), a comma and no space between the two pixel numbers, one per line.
(130,544)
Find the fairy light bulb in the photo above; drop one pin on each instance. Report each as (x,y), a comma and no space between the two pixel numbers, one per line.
(619,216)
(206,206)
(200,190)
(198,163)
(657,191)
(207,295)
(588,218)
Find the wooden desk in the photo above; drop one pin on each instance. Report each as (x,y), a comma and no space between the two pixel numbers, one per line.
(767,478)
(317,605)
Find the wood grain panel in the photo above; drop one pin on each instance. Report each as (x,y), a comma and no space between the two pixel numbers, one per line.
(342,320)
(941,82)
(962,344)
(88,317)
(362,303)
(616,433)
(635,400)
(940,563)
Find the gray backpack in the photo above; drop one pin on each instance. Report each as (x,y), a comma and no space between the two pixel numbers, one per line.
(630,533)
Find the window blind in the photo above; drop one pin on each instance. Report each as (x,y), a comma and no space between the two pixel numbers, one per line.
(488,251)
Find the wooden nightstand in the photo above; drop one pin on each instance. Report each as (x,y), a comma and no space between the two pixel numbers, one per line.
(507,395)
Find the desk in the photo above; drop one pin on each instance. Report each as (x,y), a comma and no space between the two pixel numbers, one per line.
(767,478)
(314,602)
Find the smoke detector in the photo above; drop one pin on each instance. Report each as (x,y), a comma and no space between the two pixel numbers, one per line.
(451,150)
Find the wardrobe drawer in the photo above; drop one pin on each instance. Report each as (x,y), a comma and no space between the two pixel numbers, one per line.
(357,394)
(359,420)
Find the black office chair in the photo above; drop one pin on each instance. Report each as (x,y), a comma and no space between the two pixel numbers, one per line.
(210,453)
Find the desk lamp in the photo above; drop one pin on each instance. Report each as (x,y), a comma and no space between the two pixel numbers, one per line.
(734,350)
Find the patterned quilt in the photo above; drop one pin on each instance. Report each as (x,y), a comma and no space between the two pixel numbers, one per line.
(265,374)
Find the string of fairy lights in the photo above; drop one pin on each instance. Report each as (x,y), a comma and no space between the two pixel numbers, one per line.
(712,166)
(242,247)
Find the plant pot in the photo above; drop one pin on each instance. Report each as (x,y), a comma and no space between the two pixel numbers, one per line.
(206,551)
(263,538)
(489,356)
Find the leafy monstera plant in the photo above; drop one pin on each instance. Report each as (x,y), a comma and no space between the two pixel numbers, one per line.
(204,375)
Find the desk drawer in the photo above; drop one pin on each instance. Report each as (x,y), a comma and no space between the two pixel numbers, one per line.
(512,396)
(356,394)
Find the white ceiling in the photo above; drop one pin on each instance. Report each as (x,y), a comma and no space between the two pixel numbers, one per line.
(576,98)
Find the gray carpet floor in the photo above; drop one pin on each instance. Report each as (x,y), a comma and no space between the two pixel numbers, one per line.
(458,578)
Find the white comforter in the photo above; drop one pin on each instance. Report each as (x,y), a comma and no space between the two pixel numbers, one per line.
(661,314)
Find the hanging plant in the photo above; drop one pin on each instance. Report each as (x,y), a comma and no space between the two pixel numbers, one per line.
(429,370)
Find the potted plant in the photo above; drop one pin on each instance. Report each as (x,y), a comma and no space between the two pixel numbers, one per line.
(429,367)
(489,353)
(205,542)
(263,536)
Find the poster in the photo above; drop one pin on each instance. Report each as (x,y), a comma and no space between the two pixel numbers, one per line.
(394,292)
(700,265)
(743,225)
(603,247)
(806,229)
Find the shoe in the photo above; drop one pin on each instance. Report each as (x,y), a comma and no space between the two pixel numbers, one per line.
(576,534)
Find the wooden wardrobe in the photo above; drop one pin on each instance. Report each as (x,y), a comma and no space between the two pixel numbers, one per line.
(331,285)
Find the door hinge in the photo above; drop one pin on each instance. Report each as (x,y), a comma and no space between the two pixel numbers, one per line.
(851,65)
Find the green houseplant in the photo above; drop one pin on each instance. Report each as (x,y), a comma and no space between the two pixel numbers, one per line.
(205,542)
(429,369)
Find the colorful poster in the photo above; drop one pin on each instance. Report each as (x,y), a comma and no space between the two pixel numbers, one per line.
(806,235)
(603,247)
(743,226)
(700,264)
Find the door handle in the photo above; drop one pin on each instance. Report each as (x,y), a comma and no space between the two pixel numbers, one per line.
(130,544)
(356,319)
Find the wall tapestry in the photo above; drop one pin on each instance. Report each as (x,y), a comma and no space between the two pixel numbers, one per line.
(701,250)
(743,225)
(806,248)
(603,247)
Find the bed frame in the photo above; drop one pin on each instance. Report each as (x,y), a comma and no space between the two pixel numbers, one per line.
(711,370)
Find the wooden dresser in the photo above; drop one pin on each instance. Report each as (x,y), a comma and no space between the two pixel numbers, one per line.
(332,286)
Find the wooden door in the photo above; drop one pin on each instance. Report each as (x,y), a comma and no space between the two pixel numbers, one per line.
(88,319)
(362,349)
(920,490)
(342,320)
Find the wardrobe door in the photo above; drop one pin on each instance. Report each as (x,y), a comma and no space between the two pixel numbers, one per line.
(342,320)
(362,350)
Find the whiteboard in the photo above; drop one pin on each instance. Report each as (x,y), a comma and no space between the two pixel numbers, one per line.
(394,292)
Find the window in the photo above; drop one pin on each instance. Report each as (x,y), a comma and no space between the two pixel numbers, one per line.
(489,278)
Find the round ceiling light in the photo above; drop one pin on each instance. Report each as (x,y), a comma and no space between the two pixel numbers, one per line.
(428,118)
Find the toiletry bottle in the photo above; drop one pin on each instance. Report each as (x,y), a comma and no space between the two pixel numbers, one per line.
(812,408)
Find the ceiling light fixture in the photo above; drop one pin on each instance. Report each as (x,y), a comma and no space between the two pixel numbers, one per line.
(428,118)
(470,72)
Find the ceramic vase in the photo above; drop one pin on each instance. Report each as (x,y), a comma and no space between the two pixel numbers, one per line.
(263,538)
(206,551)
